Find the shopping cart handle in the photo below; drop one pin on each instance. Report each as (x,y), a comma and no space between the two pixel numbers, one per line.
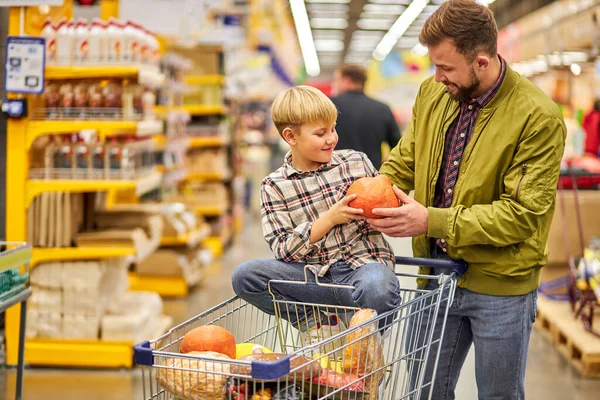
(142,354)
(271,370)
(457,266)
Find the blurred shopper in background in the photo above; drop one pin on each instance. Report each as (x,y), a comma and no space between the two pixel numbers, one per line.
(363,124)
(482,153)
(591,125)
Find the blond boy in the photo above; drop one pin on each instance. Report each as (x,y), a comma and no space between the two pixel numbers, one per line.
(306,220)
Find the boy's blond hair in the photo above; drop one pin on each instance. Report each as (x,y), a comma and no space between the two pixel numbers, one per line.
(302,105)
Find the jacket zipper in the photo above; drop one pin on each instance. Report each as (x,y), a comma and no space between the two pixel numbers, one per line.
(523,172)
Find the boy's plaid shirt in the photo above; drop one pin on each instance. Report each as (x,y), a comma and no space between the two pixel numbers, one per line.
(292,199)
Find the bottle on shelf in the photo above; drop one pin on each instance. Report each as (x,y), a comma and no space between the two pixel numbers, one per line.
(97,43)
(129,153)
(112,163)
(81,44)
(50,154)
(63,161)
(148,102)
(81,159)
(114,37)
(97,153)
(64,42)
(130,43)
(49,33)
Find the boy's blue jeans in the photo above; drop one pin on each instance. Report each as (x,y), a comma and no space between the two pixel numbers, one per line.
(376,287)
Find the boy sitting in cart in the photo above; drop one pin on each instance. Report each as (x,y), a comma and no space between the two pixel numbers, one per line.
(306,221)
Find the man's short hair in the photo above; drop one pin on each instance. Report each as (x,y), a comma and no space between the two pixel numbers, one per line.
(355,73)
(302,105)
(470,25)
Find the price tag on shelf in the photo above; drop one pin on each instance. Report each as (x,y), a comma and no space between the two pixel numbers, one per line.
(25,62)
(15,3)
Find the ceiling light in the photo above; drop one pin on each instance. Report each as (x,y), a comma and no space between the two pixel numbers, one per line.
(384,8)
(329,15)
(486,2)
(328,8)
(379,24)
(431,9)
(331,23)
(328,34)
(380,16)
(408,42)
(419,50)
(403,2)
(400,26)
(576,69)
(367,34)
(329,45)
(307,45)
(329,1)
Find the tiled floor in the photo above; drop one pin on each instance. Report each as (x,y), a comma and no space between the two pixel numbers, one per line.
(549,377)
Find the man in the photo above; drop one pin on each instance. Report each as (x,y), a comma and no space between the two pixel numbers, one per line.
(363,124)
(482,153)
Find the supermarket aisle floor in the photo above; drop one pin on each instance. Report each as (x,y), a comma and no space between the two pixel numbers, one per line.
(548,375)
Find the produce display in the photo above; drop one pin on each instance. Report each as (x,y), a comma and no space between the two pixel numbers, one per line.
(209,338)
(359,372)
(372,193)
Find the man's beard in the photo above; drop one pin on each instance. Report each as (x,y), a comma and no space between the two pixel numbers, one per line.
(464,92)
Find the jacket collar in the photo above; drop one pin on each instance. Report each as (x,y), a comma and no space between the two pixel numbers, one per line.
(289,170)
(511,79)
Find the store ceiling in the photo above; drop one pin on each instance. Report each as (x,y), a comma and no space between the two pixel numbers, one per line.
(350,31)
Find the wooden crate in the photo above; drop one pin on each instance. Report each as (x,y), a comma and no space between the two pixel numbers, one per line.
(581,348)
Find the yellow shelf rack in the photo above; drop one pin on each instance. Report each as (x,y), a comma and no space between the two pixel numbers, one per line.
(205,79)
(141,186)
(195,110)
(210,211)
(37,128)
(190,239)
(146,76)
(165,286)
(209,141)
(215,244)
(42,255)
(206,176)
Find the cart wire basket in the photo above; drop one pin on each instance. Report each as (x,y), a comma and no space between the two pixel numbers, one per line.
(388,356)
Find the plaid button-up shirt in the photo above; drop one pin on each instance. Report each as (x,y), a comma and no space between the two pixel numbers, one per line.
(456,140)
(292,200)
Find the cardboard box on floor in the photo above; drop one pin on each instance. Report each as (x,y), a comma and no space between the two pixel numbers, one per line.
(589,204)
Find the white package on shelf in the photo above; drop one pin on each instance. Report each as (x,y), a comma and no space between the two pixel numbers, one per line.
(126,328)
(134,303)
(48,275)
(46,299)
(49,324)
(80,327)
(115,281)
(31,326)
(91,303)
(83,275)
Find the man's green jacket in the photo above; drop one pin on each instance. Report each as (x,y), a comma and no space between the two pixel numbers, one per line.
(504,197)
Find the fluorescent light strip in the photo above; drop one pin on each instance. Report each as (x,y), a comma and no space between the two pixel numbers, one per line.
(307,45)
(329,44)
(329,1)
(400,26)
(331,23)
(384,8)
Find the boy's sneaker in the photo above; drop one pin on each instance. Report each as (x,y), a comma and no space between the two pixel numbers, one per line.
(330,325)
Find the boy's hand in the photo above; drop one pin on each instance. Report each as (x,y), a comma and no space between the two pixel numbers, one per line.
(341,212)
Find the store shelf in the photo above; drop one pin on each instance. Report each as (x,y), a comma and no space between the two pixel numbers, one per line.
(190,239)
(200,109)
(210,211)
(37,128)
(85,353)
(41,255)
(146,76)
(141,186)
(210,141)
(165,286)
(205,79)
(207,176)
(215,244)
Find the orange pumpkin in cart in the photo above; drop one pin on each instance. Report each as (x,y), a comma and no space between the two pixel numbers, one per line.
(372,193)
(209,338)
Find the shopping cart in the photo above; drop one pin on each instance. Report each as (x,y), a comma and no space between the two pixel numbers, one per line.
(388,356)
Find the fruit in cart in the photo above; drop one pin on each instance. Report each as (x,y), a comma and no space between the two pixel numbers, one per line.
(288,392)
(195,379)
(209,338)
(307,368)
(375,192)
(363,354)
(244,349)
(262,394)
(328,363)
(336,380)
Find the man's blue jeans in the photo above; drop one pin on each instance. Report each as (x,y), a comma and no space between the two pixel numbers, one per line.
(376,287)
(499,327)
